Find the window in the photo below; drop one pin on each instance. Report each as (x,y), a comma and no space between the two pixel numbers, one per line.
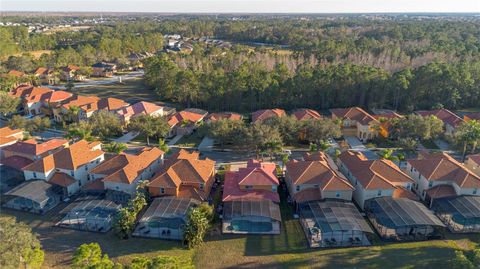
(97,161)
(475,191)
(72,173)
(298,187)
(316,185)
(86,167)
(162,190)
(79,183)
(379,193)
(202,186)
(274,188)
(337,194)
(34,175)
(248,187)
(430,184)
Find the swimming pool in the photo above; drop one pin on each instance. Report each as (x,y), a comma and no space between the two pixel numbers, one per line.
(250,226)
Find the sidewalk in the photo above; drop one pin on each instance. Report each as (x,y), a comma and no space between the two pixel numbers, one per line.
(126,137)
(174,140)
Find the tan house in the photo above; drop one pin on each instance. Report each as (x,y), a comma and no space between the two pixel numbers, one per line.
(261,115)
(68,167)
(9,136)
(473,163)
(45,75)
(122,173)
(141,108)
(31,98)
(185,121)
(71,73)
(33,150)
(184,175)
(450,120)
(439,175)
(374,178)
(316,178)
(256,181)
(356,122)
(87,105)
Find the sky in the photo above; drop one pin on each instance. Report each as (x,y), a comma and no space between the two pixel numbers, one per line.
(245,6)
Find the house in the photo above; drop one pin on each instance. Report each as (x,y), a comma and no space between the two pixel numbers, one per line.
(9,136)
(223,116)
(33,150)
(257,180)
(356,122)
(122,173)
(450,120)
(103,69)
(473,163)
(472,116)
(67,168)
(87,105)
(439,175)
(306,114)
(141,108)
(385,122)
(53,100)
(71,72)
(111,104)
(374,178)
(45,75)
(316,178)
(31,98)
(186,121)
(261,115)
(185,175)
(16,73)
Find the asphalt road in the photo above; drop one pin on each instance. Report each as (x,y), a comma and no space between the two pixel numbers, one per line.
(103,81)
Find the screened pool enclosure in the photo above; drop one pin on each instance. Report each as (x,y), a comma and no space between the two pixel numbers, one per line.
(461,214)
(333,223)
(89,214)
(165,218)
(402,219)
(251,217)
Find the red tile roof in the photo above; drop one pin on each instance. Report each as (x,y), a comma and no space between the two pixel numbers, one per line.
(71,67)
(8,132)
(389,115)
(125,168)
(442,167)
(62,179)
(32,147)
(261,115)
(224,115)
(257,174)
(111,104)
(306,114)
(441,191)
(447,116)
(17,162)
(70,158)
(401,192)
(355,114)
(232,191)
(16,73)
(306,195)
(475,158)
(55,96)
(41,71)
(188,116)
(139,108)
(473,116)
(86,103)
(321,172)
(374,174)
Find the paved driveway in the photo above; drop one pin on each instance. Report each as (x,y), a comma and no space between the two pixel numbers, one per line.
(206,144)
(356,145)
(127,137)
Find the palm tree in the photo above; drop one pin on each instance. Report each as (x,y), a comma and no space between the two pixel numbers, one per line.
(72,114)
(387,154)
(468,134)
(114,147)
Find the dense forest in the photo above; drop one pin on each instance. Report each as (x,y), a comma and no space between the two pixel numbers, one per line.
(403,63)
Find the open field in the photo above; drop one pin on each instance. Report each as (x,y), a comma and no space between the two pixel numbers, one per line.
(287,250)
(132,90)
(35,53)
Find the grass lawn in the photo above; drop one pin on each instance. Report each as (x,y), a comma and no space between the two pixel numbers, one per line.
(286,250)
(190,141)
(131,90)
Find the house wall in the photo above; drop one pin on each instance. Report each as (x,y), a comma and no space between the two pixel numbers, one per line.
(344,195)
(38,175)
(422,184)
(270,187)
(81,173)
(33,106)
(156,191)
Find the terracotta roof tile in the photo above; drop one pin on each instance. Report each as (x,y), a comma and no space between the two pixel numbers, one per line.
(62,179)
(111,104)
(224,115)
(16,73)
(475,158)
(34,148)
(374,174)
(306,114)
(442,167)
(354,114)
(8,132)
(125,168)
(401,192)
(232,191)
(473,116)
(43,165)
(306,195)
(441,191)
(17,162)
(55,96)
(261,115)
(447,116)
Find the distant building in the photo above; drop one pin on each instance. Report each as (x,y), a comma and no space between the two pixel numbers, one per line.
(261,115)
(450,120)
(356,122)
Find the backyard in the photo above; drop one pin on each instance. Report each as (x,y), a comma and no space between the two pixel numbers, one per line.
(287,250)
